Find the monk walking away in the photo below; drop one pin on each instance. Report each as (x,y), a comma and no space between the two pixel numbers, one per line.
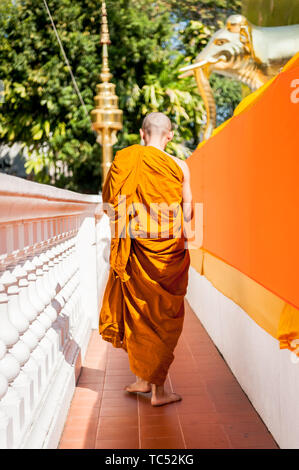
(147,196)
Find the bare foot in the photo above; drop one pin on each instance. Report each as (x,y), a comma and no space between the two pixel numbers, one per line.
(139,386)
(160,397)
(165,399)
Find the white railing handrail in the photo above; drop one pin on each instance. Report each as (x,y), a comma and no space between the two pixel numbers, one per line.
(13,185)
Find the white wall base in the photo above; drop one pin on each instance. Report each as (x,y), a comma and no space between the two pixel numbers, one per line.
(267,374)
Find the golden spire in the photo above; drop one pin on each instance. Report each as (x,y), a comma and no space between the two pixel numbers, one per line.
(106,117)
(105,41)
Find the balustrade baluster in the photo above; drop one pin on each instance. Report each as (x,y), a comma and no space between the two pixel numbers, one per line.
(31,367)
(37,327)
(21,351)
(62,322)
(10,367)
(50,310)
(6,437)
(45,317)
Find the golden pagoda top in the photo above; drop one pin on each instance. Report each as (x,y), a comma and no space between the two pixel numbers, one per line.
(106,117)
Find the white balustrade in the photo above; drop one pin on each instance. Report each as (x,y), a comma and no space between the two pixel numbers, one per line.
(52,268)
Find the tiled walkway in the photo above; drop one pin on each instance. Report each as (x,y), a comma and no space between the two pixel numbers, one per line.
(214,413)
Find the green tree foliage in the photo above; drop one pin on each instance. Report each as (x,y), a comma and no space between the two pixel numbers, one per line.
(271,12)
(212,12)
(150,42)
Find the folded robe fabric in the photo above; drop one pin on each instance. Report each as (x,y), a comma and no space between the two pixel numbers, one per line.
(143,304)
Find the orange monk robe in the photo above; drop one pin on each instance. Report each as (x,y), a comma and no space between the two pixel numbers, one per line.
(143,304)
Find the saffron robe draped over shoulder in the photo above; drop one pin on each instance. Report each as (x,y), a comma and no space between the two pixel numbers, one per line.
(143,303)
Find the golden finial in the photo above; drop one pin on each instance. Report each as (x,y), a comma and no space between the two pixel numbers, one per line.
(106,117)
(105,41)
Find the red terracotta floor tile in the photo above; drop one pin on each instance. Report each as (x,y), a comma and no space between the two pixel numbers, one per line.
(209,361)
(117,432)
(77,444)
(117,386)
(127,443)
(159,420)
(116,393)
(81,422)
(86,392)
(157,410)
(118,379)
(89,375)
(198,390)
(205,436)
(215,417)
(120,400)
(231,403)
(119,372)
(186,379)
(244,435)
(83,411)
(94,386)
(80,433)
(195,404)
(163,443)
(120,361)
(117,411)
(214,412)
(223,387)
(86,405)
(159,430)
(209,372)
(87,401)
(115,421)
(188,368)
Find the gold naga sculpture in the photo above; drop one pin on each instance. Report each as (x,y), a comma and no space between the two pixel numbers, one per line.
(245,52)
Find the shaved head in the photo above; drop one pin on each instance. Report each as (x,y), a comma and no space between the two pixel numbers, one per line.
(156,124)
